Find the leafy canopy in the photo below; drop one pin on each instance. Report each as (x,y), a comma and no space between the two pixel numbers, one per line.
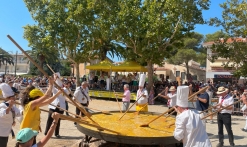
(233,47)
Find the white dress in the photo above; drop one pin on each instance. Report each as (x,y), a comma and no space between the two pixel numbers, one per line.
(189,128)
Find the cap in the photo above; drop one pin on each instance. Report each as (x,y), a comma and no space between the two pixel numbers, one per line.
(35,93)
(24,135)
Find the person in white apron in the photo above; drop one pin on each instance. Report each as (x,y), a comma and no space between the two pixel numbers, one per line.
(188,126)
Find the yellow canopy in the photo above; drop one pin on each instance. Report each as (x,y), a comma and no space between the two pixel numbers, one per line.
(104,65)
(130,66)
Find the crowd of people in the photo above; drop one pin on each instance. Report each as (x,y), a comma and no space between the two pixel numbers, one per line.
(31,98)
(189,127)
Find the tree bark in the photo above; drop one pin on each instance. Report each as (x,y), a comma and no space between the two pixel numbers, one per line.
(150,75)
(188,71)
(77,74)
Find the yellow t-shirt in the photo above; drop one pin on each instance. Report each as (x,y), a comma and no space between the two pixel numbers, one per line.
(31,118)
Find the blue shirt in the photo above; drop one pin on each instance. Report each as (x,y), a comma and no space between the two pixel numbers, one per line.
(200,106)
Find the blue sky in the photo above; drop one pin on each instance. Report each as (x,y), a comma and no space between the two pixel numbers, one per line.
(14,15)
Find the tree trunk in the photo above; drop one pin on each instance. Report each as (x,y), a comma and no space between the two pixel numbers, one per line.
(150,75)
(41,65)
(188,71)
(77,74)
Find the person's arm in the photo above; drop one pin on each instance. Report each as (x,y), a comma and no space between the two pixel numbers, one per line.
(180,128)
(44,140)
(204,98)
(11,104)
(164,96)
(37,102)
(48,101)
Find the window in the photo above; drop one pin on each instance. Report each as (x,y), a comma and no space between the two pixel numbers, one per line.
(177,73)
(182,75)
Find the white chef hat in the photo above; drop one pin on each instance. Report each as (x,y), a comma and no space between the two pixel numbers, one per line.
(6,90)
(142,80)
(58,80)
(182,96)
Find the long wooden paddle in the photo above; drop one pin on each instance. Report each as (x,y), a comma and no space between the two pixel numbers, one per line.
(106,112)
(69,118)
(67,89)
(137,113)
(66,110)
(78,120)
(41,69)
(215,111)
(117,102)
(129,108)
(171,109)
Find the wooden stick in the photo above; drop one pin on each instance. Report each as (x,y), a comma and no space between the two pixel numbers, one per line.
(221,109)
(170,113)
(117,102)
(107,112)
(137,113)
(80,108)
(146,125)
(129,108)
(215,111)
(171,109)
(68,89)
(206,110)
(69,118)
(65,110)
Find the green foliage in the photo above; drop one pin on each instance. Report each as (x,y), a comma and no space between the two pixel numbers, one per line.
(216,36)
(183,56)
(5,57)
(144,30)
(234,24)
(152,30)
(65,69)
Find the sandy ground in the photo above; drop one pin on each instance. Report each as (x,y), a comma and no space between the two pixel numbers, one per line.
(70,136)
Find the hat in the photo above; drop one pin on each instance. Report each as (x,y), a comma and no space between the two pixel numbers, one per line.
(35,93)
(172,88)
(6,90)
(24,135)
(58,81)
(221,90)
(182,96)
(142,80)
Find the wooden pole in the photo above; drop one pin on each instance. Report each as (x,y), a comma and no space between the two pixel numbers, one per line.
(80,108)
(171,109)
(215,111)
(118,102)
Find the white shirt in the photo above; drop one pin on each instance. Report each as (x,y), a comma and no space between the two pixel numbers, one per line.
(142,100)
(60,100)
(6,120)
(80,97)
(210,94)
(17,86)
(173,99)
(227,101)
(190,129)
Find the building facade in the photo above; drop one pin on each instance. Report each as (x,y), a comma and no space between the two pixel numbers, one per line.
(215,71)
(171,71)
(21,65)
